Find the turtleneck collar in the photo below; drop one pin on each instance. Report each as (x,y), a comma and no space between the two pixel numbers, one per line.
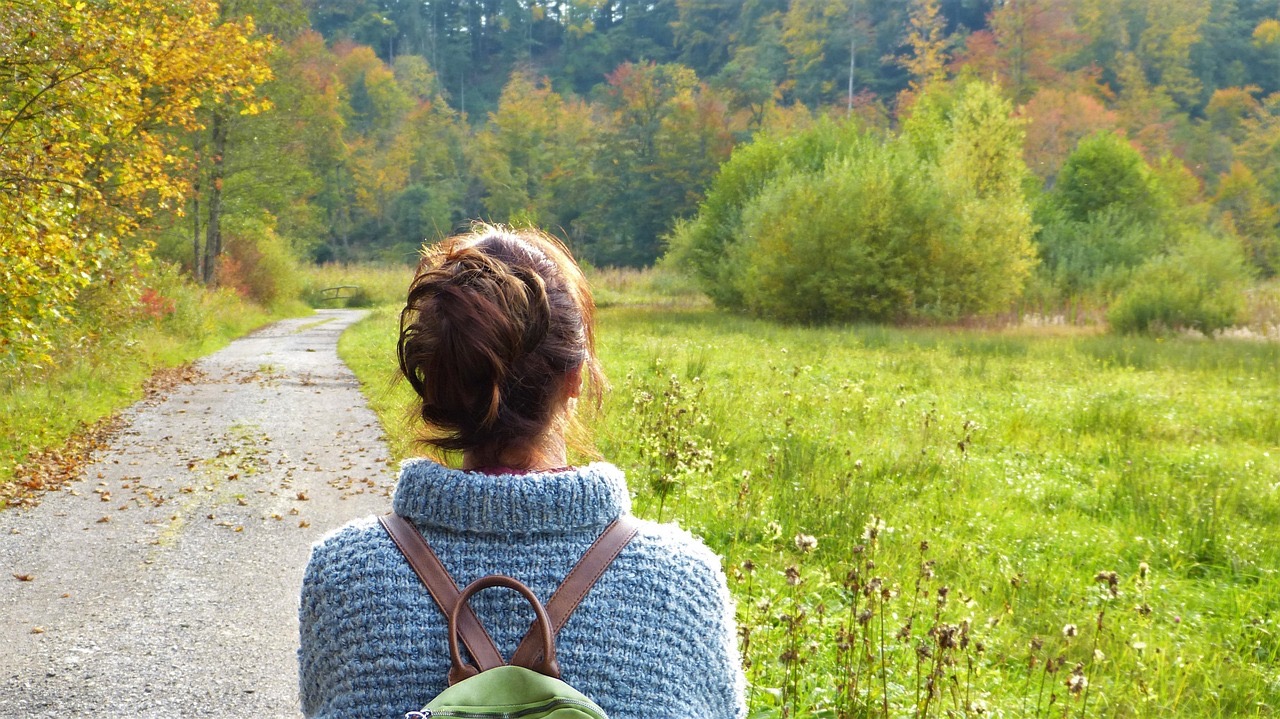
(574,499)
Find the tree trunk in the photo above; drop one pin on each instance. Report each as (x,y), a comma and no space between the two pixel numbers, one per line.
(197,263)
(213,228)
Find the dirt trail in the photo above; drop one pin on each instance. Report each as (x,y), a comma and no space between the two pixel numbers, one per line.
(164,582)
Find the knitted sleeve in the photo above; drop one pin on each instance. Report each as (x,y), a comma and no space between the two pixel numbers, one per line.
(692,643)
(314,654)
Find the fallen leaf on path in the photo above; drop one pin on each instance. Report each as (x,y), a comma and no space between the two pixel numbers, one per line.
(304,524)
(104,520)
(24,577)
(43,470)
(37,630)
(303,496)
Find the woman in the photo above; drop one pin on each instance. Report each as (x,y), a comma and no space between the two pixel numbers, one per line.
(497,340)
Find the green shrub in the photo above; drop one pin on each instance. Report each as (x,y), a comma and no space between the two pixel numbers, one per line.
(257,262)
(1200,286)
(838,224)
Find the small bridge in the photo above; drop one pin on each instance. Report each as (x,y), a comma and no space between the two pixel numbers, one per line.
(341,292)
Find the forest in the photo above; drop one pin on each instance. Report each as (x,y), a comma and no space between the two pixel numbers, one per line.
(1070,148)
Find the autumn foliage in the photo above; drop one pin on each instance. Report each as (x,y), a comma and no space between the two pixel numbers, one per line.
(90,96)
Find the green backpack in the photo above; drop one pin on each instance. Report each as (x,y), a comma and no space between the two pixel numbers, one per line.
(529,687)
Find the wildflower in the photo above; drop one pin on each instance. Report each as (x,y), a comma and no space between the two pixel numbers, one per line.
(1098,656)
(942,596)
(1036,643)
(806,543)
(1143,609)
(872,529)
(1137,644)
(1143,569)
(749,566)
(1069,631)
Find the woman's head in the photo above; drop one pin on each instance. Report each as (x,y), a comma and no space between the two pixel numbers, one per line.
(495,338)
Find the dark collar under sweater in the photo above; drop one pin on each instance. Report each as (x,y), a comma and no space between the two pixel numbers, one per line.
(575,499)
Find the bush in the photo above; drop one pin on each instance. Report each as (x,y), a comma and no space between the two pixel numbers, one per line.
(1200,286)
(1097,253)
(257,263)
(838,224)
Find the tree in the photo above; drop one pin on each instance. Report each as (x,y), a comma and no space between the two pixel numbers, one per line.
(535,155)
(1056,121)
(1172,27)
(657,116)
(1243,206)
(927,61)
(86,148)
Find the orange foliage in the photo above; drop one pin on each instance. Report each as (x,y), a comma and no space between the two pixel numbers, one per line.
(1056,121)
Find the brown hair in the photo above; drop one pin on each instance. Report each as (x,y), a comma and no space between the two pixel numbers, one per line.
(495,321)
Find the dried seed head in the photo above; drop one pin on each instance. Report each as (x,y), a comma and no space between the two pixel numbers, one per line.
(1143,609)
(924,546)
(1069,631)
(1143,569)
(749,566)
(1077,682)
(793,575)
(1036,643)
(865,615)
(946,635)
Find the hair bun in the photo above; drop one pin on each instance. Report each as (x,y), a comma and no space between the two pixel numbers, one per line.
(492,325)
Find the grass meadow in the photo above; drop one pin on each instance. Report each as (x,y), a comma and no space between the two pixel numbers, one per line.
(933,522)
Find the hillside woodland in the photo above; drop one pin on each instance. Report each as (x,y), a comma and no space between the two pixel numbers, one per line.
(806,160)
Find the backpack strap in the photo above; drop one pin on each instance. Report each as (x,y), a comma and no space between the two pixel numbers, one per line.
(581,578)
(443,589)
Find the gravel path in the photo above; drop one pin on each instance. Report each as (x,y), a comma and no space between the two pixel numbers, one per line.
(164,582)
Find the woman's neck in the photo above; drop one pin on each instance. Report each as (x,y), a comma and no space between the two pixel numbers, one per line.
(547,454)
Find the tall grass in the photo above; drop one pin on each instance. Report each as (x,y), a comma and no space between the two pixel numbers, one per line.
(365,285)
(929,522)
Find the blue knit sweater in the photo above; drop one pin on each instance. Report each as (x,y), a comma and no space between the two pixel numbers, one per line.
(654,637)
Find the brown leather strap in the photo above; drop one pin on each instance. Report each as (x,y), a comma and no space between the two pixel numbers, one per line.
(581,578)
(443,589)
(460,670)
